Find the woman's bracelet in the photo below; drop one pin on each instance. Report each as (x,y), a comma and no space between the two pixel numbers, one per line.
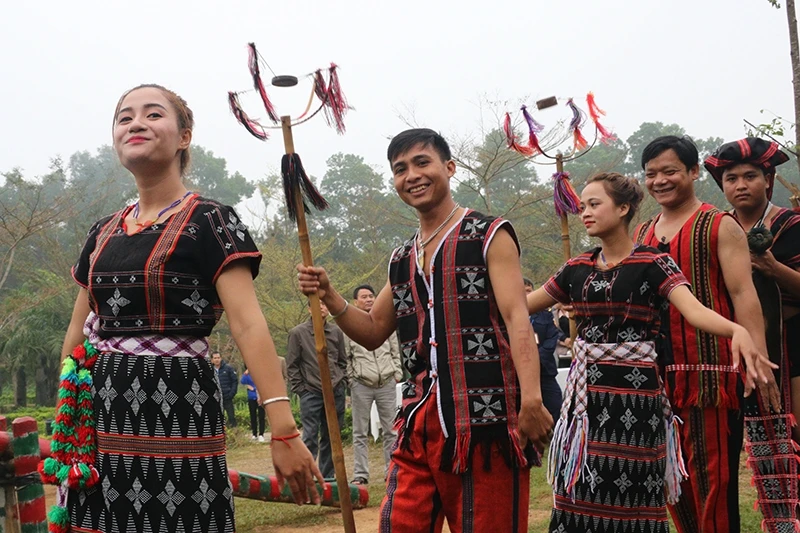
(285,440)
(340,313)
(276,399)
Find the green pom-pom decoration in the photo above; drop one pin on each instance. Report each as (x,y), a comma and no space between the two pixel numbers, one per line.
(58,516)
(66,409)
(84,395)
(68,367)
(63,473)
(90,349)
(64,430)
(50,466)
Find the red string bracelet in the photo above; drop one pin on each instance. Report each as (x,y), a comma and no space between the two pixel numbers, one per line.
(285,440)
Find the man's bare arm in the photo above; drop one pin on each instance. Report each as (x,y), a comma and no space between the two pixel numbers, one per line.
(734,259)
(502,260)
(369,330)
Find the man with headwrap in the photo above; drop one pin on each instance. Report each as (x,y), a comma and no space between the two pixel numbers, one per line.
(702,381)
(745,171)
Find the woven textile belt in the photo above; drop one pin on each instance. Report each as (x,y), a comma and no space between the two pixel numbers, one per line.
(145,344)
(569,448)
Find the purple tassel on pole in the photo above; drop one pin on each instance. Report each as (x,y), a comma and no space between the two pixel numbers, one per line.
(533,128)
(565,198)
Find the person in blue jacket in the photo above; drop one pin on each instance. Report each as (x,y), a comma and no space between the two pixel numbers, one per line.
(228,383)
(256,411)
(548,336)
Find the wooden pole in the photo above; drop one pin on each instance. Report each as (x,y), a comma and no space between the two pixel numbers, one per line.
(321,345)
(567,251)
(795,197)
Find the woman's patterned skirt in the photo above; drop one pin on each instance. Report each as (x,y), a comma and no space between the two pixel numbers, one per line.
(621,488)
(160,449)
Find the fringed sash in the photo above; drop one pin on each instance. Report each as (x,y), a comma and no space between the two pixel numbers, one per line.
(570,445)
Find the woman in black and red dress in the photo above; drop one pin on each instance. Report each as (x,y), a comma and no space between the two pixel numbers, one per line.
(155,278)
(614,460)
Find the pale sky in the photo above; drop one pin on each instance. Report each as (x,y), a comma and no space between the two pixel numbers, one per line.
(704,64)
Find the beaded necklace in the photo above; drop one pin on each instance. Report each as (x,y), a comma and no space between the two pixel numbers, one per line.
(135,213)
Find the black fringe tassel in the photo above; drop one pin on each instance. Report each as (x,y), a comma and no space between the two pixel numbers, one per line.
(295,180)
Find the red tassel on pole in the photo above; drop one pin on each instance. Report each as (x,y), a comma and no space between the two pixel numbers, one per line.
(259,85)
(320,86)
(578,119)
(595,112)
(511,139)
(249,124)
(334,101)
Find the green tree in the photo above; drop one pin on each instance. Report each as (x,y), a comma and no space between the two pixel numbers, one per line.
(365,218)
(208,174)
(31,345)
(494,179)
(28,208)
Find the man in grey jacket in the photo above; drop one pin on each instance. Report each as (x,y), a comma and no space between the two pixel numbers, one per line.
(302,369)
(373,375)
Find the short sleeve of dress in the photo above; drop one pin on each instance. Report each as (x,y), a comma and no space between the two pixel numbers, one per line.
(664,275)
(224,238)
(80,271)
(558,287)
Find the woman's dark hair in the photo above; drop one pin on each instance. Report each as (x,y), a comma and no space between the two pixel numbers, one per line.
(404,141)
(622,190)
(683,146)
(182,110)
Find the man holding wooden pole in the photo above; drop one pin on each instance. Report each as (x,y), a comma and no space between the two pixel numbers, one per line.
(472,410)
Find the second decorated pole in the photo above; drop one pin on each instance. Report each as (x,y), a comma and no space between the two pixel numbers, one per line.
(565,245)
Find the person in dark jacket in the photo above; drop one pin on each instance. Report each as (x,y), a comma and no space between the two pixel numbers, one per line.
(229,383)
(256,411)
(305,380)
(548,336)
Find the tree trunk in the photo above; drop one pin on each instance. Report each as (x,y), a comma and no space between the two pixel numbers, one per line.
(21,390)
(795,53)
(46,383)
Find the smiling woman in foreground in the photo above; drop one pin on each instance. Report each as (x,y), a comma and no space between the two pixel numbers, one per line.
(155,278)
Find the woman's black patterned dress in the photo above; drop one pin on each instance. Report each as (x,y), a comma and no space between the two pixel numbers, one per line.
(614,385)
(157,403)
